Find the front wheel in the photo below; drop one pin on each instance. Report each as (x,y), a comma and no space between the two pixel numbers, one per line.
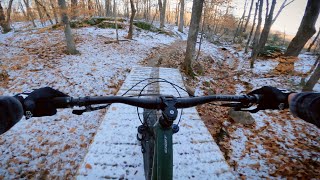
(147,142)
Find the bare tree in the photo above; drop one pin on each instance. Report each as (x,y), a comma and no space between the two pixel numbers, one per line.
(162,10)
(114,10)
(181,21)
(29,12)
(314,41)
(108,7)
(283,5)
(23,11)
(71,47)
(238,30)
(5,22)
(54,12)
(306,29)
(266,28)
(176,18)
(40,13)
(74,9)
(192,35)
(133,12)
(115,19)
(256,36)
(252,28)
(248,18)
(45,11)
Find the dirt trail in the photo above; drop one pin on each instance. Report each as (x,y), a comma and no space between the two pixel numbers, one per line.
(221,77)
(167,56)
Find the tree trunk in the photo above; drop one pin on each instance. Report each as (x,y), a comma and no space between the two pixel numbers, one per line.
(114,11)
(133,12)
(314,78)
(39,13)
(71,47)
(115,19)
(176,19)
(266,28)
(5,22)
(162,13)
(5,27)
(90,8)
(29,12)
(23,11)
(306,28)
(267,10)
(45,11)
(256,36)
(192,35)
(181,21)
(54,12)
(74,9)
(108,7)
(238,30)
(314,41)
(248,18)
(137,7)
(252,28)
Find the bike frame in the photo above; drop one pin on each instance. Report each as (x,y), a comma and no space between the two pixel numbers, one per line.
(163,153)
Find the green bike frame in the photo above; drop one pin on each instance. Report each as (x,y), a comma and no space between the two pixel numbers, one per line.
(163,155)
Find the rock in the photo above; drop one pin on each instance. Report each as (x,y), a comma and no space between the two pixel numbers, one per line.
(4,76)
(241,117)
(190,90)
(111,24)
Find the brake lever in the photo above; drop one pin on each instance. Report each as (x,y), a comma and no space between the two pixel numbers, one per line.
(241,107)
(231,105)
(88,109)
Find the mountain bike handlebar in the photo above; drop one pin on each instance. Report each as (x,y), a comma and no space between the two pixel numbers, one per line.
(152,103)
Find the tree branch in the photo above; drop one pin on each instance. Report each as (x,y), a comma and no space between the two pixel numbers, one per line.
(283,5)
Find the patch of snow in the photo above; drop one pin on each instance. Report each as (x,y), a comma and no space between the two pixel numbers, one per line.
(304,63)
(264,66)
(211,49)
(57,144)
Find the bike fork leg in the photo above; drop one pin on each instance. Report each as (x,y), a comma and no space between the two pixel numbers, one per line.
(163,158)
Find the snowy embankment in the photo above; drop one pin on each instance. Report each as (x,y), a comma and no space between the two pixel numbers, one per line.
(55,146)
(277,145)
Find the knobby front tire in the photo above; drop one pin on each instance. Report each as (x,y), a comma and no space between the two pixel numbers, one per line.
(150,118)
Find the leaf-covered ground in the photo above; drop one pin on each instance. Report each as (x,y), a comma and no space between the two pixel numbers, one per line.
(275,146)
(53,147)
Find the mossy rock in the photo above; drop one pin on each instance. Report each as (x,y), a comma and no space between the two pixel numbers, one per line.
(4,76)
(144,25)
(108,24)
(56,26)
(97,20)
(77,24)
(147,26)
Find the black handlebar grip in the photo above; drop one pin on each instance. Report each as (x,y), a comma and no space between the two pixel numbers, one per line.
(63,102)
(258,98)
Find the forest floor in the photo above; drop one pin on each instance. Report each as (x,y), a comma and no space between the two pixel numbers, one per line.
(276,145)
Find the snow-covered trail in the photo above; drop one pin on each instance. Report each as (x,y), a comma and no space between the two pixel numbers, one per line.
(53,147)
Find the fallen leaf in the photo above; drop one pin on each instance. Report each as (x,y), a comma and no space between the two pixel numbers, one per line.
(88,166)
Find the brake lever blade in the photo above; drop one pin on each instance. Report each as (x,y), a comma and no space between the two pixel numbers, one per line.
(235,105)
(78,111)
(247,110)
(88,109)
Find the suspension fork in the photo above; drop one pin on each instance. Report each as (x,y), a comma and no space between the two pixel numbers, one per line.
(163,152)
